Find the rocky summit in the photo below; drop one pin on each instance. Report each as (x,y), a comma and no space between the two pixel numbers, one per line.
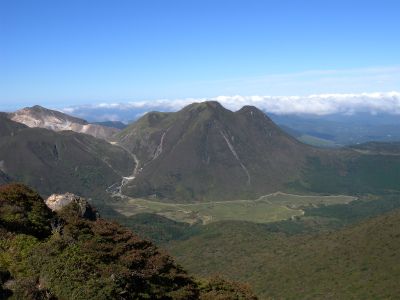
(56,202)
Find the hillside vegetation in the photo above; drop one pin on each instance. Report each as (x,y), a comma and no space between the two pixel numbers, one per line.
(61,255)
(357,262)
(205,152)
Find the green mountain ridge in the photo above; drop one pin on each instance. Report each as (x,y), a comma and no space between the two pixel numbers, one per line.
(59,162)
(202,153)
(206,152)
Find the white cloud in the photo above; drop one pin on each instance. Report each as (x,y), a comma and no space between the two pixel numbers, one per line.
(108,117)
(323,104)
(68,110)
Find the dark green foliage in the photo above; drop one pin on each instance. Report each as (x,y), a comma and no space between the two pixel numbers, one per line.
(379,172)
(357,262)
(358,174)
(157,228)
(22,210)
(218,288)
(356,210)
(377,148)
(101,260)
(324,178)
(88,260)
(9,127)
(289,227)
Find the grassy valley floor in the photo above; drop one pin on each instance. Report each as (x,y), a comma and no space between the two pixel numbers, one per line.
(270,208)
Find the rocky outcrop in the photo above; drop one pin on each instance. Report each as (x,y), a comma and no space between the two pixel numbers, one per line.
(86,210)
(38,116)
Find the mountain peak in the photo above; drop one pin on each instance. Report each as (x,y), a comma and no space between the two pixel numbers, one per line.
(205,151)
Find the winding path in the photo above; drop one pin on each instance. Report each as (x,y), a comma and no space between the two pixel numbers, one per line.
(116,190)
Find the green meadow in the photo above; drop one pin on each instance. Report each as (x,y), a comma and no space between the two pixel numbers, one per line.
(270,208)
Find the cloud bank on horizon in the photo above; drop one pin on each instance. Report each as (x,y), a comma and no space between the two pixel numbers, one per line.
(323,104)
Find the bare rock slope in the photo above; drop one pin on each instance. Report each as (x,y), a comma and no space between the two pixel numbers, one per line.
(38,116)
(56,202)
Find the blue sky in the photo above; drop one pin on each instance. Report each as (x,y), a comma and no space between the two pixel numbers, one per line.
(59,53)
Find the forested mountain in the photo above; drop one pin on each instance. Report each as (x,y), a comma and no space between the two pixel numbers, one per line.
(205,152)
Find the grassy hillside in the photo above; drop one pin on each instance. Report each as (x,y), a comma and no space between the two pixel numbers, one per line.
(318,142)
(308,139)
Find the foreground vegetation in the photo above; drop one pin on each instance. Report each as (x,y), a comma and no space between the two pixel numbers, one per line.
(63,256)
(47,255)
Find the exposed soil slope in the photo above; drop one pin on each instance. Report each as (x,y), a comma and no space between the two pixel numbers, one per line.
(38,116)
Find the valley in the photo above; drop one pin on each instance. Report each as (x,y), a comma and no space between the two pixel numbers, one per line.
(270,208)
(226,193)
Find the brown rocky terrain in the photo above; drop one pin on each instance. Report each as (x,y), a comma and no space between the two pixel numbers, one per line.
(38,116)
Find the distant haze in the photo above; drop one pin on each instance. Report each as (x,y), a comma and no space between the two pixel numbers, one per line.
(317,105)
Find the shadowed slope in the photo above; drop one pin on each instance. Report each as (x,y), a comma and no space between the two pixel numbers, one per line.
(60,161)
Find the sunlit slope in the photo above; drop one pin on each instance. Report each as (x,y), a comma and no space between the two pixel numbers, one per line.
(41,117)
